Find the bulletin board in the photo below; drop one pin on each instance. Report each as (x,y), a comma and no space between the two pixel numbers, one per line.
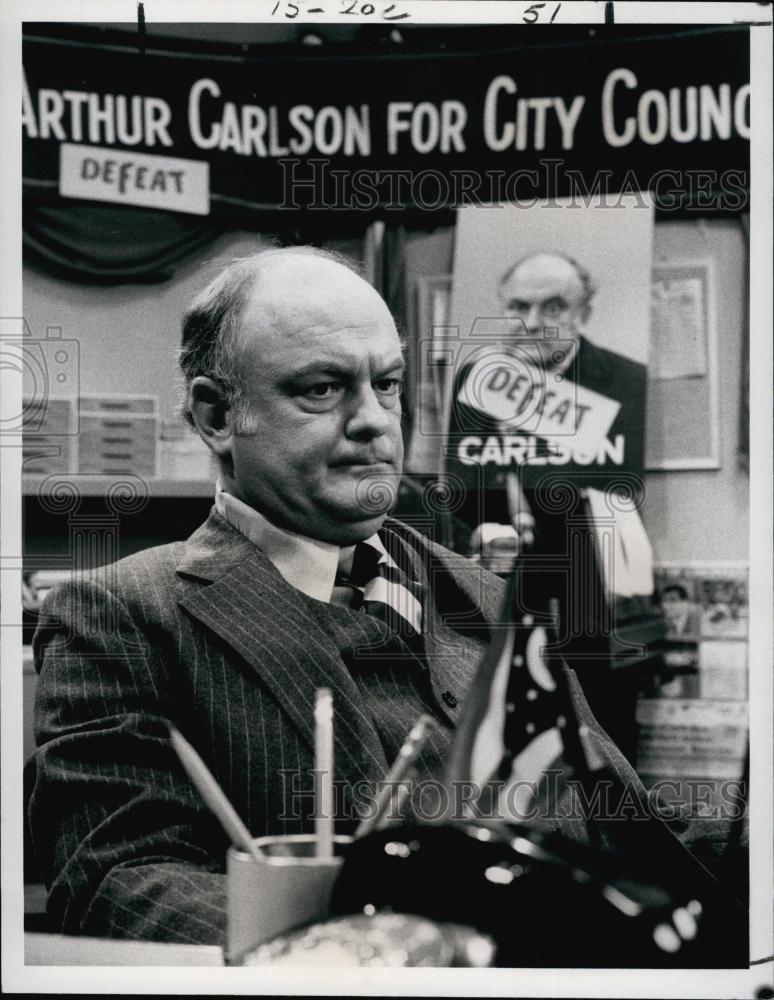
(682,424)
(696,721)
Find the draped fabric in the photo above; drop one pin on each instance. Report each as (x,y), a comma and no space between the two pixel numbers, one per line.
(110,244)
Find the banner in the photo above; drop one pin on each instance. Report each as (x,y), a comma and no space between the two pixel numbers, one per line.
(559,114)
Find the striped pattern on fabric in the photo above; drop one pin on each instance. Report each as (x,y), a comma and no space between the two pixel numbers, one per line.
(385,590)
(395,684)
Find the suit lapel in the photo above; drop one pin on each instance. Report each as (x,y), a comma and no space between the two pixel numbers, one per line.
(240,596)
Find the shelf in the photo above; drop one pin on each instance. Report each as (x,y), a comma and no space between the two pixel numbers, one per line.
(98,486)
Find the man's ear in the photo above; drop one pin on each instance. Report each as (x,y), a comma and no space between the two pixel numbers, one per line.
(211,416)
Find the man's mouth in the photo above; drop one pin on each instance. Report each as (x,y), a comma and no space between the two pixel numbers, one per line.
(364,463)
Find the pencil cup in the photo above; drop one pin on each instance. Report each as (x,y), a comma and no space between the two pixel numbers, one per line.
(288,887)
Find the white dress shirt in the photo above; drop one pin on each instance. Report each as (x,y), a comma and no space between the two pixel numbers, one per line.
(307,564)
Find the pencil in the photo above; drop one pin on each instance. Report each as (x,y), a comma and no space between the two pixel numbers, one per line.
(323,754)
(407,756)
(213,794)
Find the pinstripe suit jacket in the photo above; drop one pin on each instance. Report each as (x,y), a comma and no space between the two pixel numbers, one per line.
(208,635)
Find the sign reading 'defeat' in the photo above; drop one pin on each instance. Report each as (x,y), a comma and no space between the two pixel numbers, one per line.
(518,394)
(542,115)
(134,179)
(586,423)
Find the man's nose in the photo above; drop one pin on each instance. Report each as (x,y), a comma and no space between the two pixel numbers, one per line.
(368,418)
(534,318)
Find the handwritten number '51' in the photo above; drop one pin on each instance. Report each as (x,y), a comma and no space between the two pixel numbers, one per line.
(532,13)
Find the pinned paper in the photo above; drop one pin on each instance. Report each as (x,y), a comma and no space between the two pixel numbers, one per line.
(627,568)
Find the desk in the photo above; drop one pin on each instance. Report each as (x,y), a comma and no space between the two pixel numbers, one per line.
(61,949)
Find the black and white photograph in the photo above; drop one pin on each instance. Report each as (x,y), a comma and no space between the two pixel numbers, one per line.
(386,525)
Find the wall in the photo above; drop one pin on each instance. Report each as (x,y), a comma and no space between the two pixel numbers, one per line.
(705,515)
(129,335)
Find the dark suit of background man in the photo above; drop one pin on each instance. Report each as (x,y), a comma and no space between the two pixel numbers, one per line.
(294,370)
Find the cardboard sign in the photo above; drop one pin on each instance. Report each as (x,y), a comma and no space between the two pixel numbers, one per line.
(723,669)
(699,738)
(165,182)
(508,388)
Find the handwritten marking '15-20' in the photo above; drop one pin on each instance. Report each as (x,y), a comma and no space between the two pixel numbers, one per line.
(289,10)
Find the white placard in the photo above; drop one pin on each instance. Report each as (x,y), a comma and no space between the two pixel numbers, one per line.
(165,182)
(509,389)
(694,737)
(723,669)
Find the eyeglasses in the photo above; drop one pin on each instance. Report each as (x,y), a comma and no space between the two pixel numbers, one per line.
(549,308)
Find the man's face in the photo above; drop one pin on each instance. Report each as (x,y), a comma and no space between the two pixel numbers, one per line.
(322,367)
(543,293)
(676,609)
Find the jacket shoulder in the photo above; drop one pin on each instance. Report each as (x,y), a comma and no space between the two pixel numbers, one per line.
(146,578)
(140,568)
(611,361)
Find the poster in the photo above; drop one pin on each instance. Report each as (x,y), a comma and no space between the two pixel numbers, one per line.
(550,364)
(379,131)
(705,676)
(686,737)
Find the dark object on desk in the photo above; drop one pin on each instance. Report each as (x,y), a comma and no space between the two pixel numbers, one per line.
(544,900)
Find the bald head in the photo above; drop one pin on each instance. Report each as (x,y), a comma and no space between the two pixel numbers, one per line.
(296,294)
(558,270)
(546,296)
(547,265)
(273,283)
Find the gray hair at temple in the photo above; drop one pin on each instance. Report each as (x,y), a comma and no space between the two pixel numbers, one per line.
(587,282)
(210,326)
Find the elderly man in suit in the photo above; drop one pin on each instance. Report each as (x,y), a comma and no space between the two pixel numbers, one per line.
(294,370)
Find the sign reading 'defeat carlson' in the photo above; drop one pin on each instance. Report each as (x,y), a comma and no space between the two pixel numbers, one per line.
(586,423)
(545,116)
(517,394)
(134,179)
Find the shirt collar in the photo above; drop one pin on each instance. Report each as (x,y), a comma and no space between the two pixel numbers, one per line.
(305,563)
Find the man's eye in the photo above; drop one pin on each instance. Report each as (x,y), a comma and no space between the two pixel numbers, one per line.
(552,308)
(323,390)
(518,305)
(389,386)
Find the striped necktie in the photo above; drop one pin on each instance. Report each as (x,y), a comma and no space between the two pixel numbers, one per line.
(385,590)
